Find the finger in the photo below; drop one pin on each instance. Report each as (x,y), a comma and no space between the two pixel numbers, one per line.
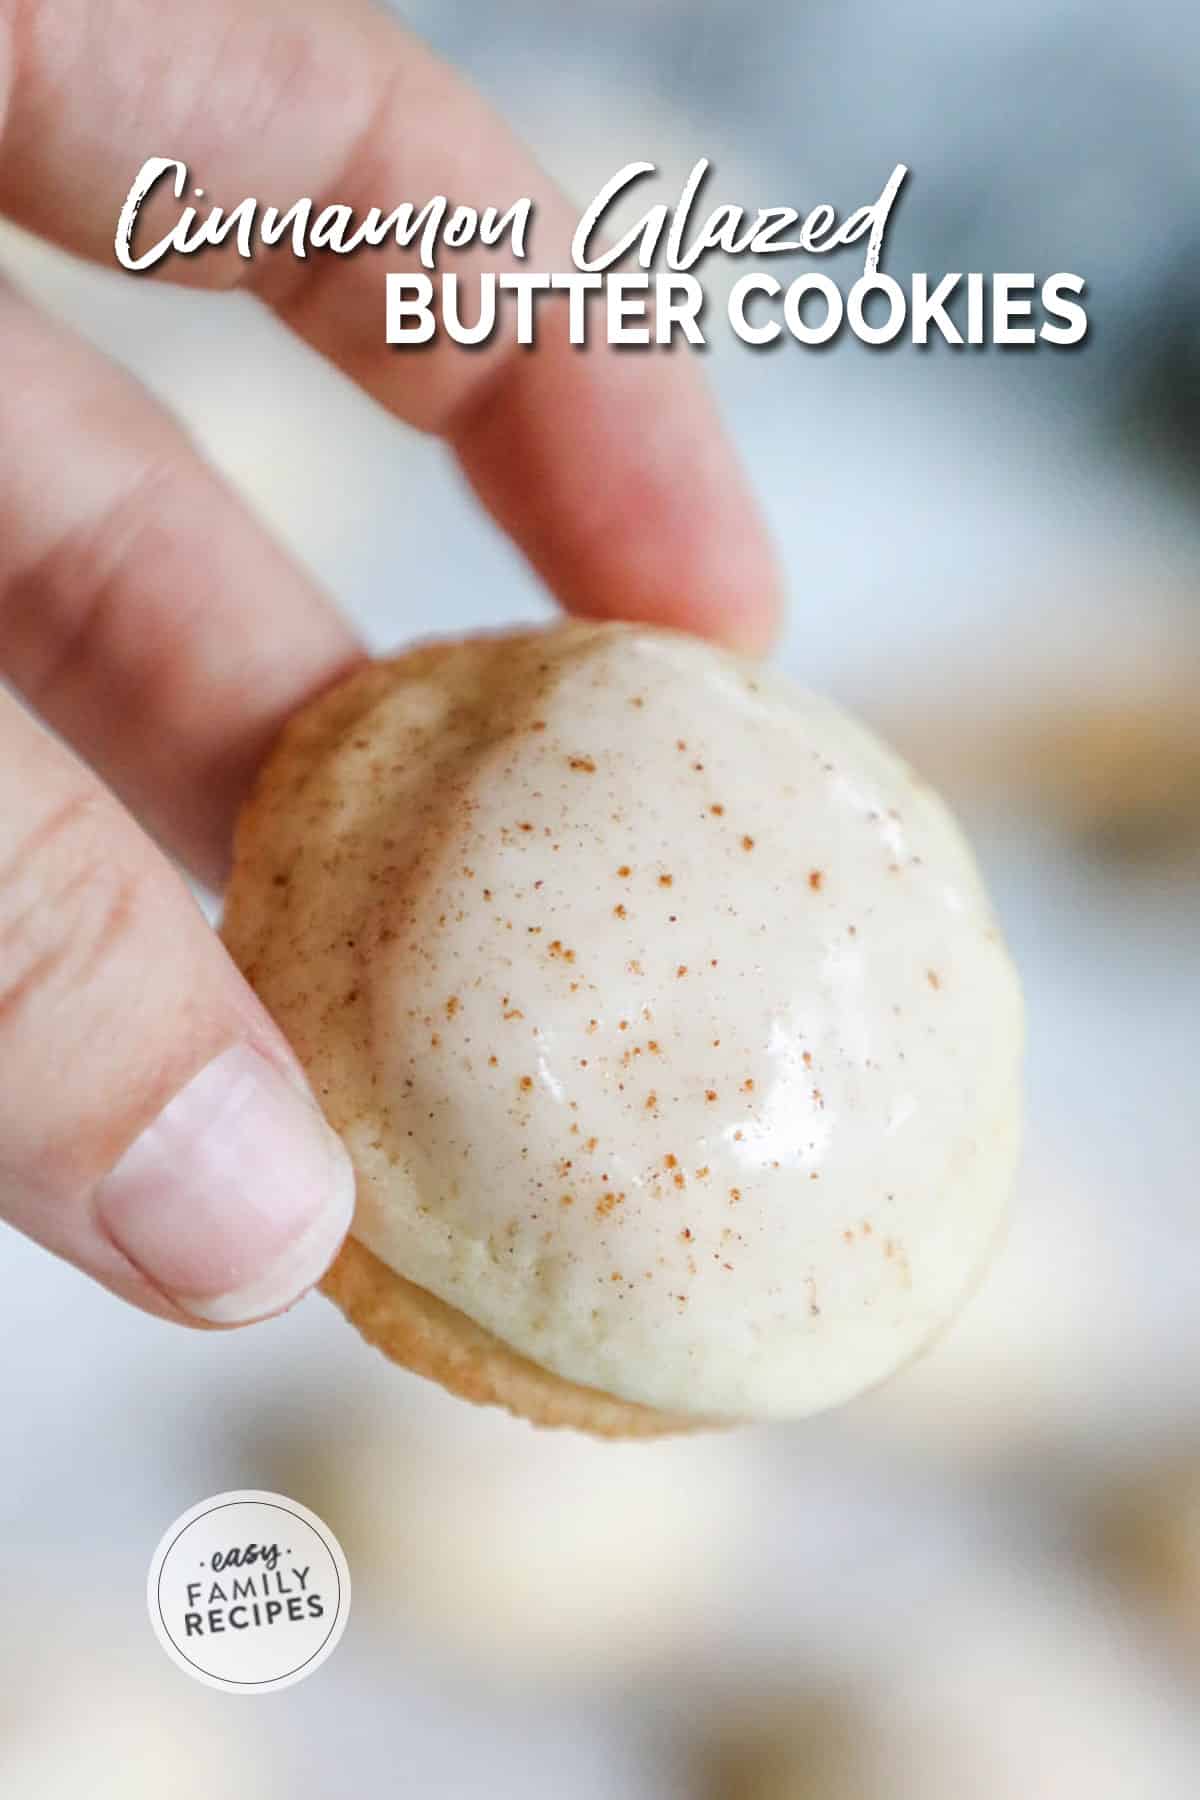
(154,1128)
(607,467)
(143,612)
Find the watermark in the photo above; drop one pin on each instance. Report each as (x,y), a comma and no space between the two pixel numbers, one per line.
(249,1592)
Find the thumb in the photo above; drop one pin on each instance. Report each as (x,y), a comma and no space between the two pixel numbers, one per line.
(155,1129)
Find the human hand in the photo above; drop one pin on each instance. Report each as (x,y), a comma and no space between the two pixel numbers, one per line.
(155,1129)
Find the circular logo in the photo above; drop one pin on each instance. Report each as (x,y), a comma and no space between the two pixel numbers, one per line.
(249,1592)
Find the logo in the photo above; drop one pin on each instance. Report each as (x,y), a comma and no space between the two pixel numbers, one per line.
(249,1592)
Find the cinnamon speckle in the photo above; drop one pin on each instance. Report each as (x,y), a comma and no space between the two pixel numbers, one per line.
(504,1147)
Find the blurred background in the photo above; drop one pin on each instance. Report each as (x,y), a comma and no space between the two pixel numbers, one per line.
(985,1579)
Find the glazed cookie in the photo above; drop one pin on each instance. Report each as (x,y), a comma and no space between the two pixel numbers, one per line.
(663,1015)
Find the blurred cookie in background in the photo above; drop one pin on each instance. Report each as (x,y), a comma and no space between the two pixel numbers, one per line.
(1022,1685)
(519,1555)
(1117,772)
(1146,1535)
(1125,779)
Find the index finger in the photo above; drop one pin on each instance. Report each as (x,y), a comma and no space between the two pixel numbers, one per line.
(607,467)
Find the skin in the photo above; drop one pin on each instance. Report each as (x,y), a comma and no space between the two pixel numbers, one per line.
(126,562)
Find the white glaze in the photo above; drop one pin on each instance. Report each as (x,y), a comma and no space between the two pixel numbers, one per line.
(693,1049)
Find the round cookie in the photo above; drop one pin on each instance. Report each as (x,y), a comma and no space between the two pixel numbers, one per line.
(663,1015)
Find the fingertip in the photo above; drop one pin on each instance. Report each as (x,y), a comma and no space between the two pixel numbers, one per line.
(617,479)
(236,1198)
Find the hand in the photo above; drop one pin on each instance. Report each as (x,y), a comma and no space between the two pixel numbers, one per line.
(154,1127)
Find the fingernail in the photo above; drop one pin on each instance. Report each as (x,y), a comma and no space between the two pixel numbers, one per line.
(236,1198)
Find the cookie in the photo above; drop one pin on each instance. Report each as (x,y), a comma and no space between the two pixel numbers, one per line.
(661,1010)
